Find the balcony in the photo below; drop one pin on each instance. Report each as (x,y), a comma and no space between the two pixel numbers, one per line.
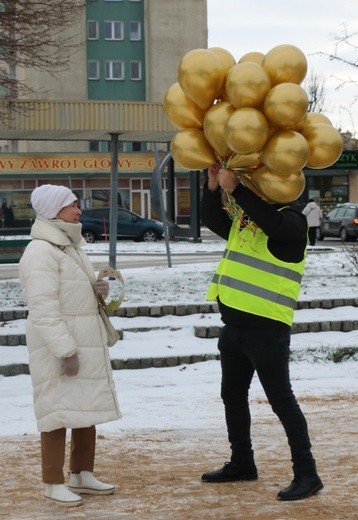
(84,120)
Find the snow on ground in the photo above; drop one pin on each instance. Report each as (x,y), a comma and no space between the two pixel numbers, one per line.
(187,396)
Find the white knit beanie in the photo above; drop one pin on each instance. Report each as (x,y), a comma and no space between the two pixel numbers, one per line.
(48,199)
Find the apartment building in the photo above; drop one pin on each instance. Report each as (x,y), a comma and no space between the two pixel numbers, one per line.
(127,50)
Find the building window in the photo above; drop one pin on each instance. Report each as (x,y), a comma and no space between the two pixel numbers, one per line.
(113,30)
(136,70)
(93,69)
(92,30)
(99,146)
(137,146)
(94,146)
(135,31)
(114,70)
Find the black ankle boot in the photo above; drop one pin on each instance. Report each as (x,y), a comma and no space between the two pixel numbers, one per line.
(301,487)
(231,472)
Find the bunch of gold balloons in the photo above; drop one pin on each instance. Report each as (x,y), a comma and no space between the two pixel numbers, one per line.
(251,116)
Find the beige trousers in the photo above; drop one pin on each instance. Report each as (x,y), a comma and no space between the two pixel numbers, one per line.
(53,447)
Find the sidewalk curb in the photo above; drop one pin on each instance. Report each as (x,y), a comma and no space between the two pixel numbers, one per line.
(336,355)
(181,309)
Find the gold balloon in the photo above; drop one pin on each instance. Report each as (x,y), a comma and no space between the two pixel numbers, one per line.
(278,188)
(247,85)
(201,76)
(214,123)
(191,150)
(313,118)
(298,126)
(325,145)
(285,63)
(181,110)
(285,105)
(252,160)
(256,57)
(227,61)
(226,58)
(223,94)
(246,131)
(246,179)
(285,152)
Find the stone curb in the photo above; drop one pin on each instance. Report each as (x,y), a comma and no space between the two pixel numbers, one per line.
(213,331)
(134,312)
(185,310)
(14,340)
(210,331)
(337,355)
(16,369)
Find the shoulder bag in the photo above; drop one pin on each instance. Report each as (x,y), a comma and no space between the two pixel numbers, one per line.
(112,334)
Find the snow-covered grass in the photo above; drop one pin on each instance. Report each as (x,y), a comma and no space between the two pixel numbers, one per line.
(328,273)
(188,396)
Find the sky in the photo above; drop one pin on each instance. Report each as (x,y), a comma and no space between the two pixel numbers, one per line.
(187,396)
(241,26)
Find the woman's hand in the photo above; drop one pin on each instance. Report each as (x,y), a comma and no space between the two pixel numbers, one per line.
(70,366)
(101,288)
(227,180)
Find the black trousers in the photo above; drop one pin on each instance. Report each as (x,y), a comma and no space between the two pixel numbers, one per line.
(266,351)
(312,235)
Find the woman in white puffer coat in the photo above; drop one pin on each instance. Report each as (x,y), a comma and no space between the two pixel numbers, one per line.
(70,368)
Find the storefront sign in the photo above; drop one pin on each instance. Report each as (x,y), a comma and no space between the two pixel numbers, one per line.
(101,162)
(75,163)
(347,161)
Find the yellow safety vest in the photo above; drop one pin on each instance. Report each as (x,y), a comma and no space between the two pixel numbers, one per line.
(249,278)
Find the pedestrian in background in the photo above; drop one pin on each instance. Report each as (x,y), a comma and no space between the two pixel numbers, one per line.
(313,214)
(70,368)
(9,217)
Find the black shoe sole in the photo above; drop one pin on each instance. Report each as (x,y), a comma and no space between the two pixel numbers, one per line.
(230,479)
(301,497)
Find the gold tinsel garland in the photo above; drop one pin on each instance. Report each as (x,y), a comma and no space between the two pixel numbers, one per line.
(237,214)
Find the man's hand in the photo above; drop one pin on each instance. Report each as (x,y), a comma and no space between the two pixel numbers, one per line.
(70,366)
(101,288)
(213,181)
(227,180)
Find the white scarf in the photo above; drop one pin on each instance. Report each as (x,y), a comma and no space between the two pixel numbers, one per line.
(72,231)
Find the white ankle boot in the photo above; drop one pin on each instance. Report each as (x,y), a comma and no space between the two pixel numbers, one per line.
(85,482)
(61,495)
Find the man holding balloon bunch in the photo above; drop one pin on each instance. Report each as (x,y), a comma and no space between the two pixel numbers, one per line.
(248,123)
(256,286)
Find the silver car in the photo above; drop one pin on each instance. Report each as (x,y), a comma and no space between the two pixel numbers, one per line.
(340,222)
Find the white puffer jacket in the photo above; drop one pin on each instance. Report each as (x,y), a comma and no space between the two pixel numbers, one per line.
(64,319)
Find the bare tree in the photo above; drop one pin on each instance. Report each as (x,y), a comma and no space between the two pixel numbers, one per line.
(316,91)
(33,35)
(345,51)
(345,42)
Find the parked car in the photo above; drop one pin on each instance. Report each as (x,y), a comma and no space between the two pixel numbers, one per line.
(95,225)
(341,222)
